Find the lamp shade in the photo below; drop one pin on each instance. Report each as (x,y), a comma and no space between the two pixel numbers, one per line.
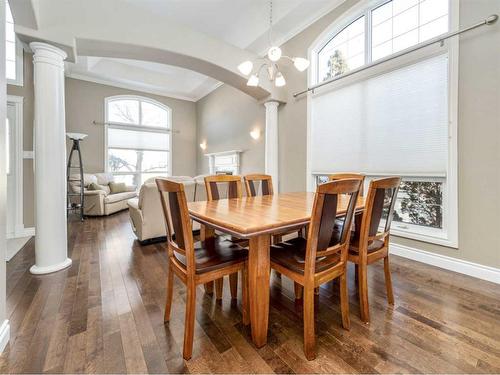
(280,80)
(300,63)
(245,67)
(253,80)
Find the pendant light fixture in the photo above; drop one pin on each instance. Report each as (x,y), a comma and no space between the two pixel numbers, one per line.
(270,61)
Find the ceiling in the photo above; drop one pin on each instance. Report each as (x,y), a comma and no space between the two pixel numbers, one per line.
(242,23)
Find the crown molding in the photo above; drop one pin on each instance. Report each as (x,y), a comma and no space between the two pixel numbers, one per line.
(129,86)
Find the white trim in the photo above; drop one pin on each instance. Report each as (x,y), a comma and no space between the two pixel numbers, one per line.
(130,86)
(235,154)
(36,270)
(18,102)
(19,81)
(448,263)
(10,253)
(4,334)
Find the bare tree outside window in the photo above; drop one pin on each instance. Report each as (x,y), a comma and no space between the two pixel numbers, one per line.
(420,203)
(337,65)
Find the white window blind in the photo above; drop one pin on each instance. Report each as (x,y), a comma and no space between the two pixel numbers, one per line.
(138,140)
(393,123)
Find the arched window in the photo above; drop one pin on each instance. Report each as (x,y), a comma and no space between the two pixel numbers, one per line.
(393,118)
(381,29)
(138,138)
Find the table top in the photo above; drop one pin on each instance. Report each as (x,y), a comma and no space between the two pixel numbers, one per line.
(252,216)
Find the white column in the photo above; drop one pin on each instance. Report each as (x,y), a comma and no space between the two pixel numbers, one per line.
(271,158)
(51,253)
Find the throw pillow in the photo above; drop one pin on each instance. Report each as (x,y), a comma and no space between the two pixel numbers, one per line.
(117,187)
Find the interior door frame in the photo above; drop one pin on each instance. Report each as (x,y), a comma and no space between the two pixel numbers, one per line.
(18,102)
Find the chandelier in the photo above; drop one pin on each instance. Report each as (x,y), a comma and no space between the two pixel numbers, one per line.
(270,62)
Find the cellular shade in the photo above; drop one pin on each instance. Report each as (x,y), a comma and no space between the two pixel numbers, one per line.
(138,140)
(394,123)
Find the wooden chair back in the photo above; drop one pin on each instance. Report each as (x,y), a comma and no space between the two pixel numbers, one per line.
(379,209)
(321,240)
(233,186)
(341,176)
(252,182)
(177,221)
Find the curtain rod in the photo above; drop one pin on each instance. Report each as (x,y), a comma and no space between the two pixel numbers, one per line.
(439,39)
(150,129)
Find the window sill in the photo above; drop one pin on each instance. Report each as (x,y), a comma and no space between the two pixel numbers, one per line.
(17,82)
(436,238)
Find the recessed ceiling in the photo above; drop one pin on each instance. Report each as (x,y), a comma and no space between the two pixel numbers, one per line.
(242,23)
(144,76)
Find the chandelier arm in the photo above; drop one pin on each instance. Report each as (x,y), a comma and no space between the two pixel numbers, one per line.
(260,69)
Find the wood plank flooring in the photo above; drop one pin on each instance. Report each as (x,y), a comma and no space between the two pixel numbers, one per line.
(105,315)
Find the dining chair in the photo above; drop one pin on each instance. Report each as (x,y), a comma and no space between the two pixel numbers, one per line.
(371,242)
(195,263)
(223,186)
(323,255)
(341,176)
(265,182)
(252,182)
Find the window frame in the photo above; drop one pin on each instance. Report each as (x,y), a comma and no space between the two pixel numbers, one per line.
(138,128)
(19,58)
(449,235)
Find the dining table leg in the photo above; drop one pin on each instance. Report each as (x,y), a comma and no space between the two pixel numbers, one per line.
(207,232)
(258,287)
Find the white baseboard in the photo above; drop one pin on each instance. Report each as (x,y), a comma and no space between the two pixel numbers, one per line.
(4,335)
(20,233)
(448,263)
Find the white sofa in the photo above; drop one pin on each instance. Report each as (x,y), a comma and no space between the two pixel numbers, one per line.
(146,213)
(101,202)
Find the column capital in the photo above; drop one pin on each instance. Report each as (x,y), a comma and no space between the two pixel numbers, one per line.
(271,104)
(47,53)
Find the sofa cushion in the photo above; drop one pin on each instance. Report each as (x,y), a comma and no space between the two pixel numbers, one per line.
(117,187)
(133,203)
(87,179)
(96,186)
(112,198)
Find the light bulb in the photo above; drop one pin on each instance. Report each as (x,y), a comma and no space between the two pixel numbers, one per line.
(253,80)
(280,80)
(245,67)
(274,54)
(203,145)
(255,134)
(300,63)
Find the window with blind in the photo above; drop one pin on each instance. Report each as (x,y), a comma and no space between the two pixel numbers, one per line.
(138,139)
(393,119)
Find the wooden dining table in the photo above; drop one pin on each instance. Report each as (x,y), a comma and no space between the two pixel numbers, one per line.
(257,219)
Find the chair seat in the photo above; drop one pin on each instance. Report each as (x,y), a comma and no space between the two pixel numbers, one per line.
(215,253)
(291,254)
(373,246)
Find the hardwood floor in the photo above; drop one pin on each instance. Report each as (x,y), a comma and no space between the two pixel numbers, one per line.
(105,315)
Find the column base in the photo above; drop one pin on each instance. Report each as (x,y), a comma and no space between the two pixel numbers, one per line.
(35,270)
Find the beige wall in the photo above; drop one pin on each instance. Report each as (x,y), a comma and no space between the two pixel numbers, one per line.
(225,119)
(478,130)
(84,104)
